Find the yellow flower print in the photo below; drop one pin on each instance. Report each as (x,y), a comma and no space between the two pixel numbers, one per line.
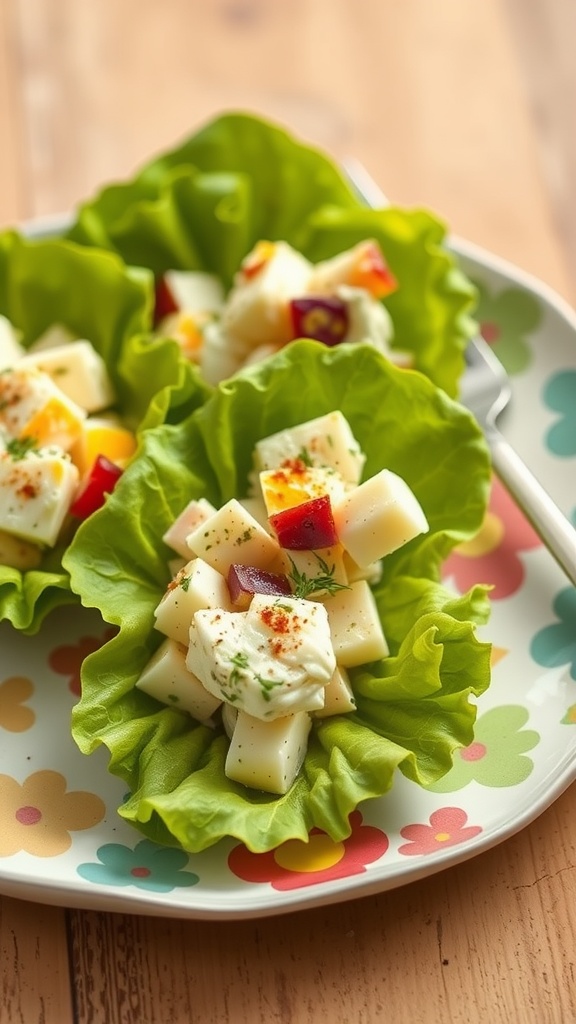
(14,717)
(38,815)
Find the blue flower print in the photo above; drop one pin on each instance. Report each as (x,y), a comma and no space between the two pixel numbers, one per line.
(147,866)
(556,644)
(559,395)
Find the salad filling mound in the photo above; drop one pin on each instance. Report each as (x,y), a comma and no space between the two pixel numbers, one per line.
(285,643)
(274,607)
(241,184)
(79,378)
(278,296)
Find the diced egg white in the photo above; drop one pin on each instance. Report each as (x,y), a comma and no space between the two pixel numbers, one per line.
(10,348)
(326,441)
(35,494)
(195,513)
(31,405)
(272,660)
(355,626)
(79,372)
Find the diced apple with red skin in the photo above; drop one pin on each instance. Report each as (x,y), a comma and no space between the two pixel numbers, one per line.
(323,318)
(246,580)
(306,527)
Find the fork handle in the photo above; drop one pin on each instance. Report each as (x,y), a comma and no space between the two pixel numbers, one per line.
(551,525)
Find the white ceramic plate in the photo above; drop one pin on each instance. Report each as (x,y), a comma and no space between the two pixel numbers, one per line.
(61,840)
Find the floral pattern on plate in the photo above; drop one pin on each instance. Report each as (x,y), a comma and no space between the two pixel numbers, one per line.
(62,839)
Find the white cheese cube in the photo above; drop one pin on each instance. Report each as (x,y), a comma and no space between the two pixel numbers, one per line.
(166,678)
(195,513)
(256,310)
(303,567)
(19,554)
(338,696)
(11,351)
(355,626)
(267,755)
(290,485)
(195,290)
(196,586)
(36,492)
(378,517)
(79,371)
(272,660)
(325,441)
(32,406)
(233,536)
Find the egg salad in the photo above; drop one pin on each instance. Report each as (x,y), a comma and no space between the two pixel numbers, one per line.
(270,605)
(60,449)
(277,296)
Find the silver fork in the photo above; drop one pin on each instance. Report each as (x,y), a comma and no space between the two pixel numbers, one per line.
(486,392)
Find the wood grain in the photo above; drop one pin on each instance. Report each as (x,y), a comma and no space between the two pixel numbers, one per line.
(34,969)
(491,940)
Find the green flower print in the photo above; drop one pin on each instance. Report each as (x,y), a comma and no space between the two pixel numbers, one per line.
(147,866)
(505,318)
(496,757)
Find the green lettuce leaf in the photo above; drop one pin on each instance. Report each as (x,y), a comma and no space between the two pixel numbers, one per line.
(97,297)
(414,708)
(204,204)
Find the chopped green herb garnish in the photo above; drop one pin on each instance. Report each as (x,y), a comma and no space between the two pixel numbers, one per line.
(304,456)
(305,585)
(19,447)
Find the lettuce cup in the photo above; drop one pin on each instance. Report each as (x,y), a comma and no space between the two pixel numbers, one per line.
(411,706)
(79,377)
(239,182)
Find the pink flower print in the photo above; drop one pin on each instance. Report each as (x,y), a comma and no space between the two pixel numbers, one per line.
(447,827)
(492,556)
(296,864)
(67,659)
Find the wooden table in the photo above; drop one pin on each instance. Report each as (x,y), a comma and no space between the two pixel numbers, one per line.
(467,108)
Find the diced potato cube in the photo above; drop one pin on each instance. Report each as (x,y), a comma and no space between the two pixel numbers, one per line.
(355,626)
(325,441)
(52,337)
(267,755)
(338,696)
(303,567)
(233,536)
(195,513)
(197,585)
(166,678)
(378,517)
(19,554)
(79,371)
